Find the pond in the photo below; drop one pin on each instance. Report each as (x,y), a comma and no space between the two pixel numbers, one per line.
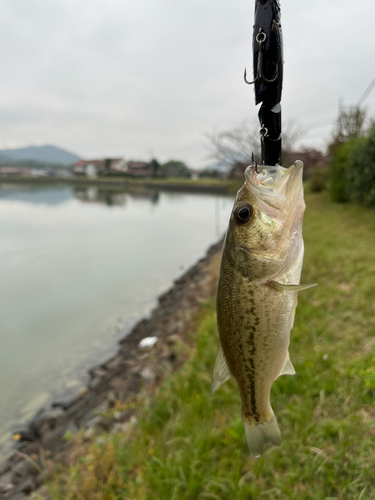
(78,267)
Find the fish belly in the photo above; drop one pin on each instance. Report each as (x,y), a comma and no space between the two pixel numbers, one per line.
(254,324)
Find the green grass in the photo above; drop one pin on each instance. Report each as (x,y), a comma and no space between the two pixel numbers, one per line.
(186,446)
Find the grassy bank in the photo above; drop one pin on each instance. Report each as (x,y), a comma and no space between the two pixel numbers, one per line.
(183,445)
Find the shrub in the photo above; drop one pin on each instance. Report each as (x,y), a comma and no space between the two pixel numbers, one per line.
(318,179)
(360,175)
(339,167)
(353,171)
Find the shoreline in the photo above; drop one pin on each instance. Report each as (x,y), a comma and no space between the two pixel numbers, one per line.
(199,186)
(123,375)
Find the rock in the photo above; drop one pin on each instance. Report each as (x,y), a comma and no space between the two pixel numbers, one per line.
(4,468)
(39,480)
(124,388)
(83,391)
(93,423)
(116,364)
(23,469)
(72,426)
(148,376)
(88,434)
(117,383)
(102,407)
(95,383)
(98,372)
(105,423)
(60,404)
(133,420)
(51,418)
(26,486)
(117,416)
(111,398)
(180,325)
(42,492)
(51,440)
(6,482)
(32,448)
(14,459)
(173,339)
(17,496)
(120,427)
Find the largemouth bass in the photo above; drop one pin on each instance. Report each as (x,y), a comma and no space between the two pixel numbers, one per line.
(257,293)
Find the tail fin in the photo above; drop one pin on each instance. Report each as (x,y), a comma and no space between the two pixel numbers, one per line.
(261,436)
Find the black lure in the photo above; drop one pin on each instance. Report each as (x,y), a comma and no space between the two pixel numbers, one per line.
(268,76)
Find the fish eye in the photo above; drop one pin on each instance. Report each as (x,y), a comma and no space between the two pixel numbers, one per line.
(243,213)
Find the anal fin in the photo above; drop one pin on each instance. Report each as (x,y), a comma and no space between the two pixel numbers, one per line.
(288,368)
(221,371)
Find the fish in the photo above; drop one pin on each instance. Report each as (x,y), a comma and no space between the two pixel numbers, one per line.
(257,293)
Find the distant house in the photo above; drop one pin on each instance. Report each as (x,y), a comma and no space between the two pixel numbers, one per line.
(89,168)
(15,170)
(139,168)
(93,168)
(194,174)
(116,165)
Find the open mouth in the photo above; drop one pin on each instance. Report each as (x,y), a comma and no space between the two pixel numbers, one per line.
(271,185)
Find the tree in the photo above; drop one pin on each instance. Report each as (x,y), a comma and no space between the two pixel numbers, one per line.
(352,122)
(174,168)
(236,145)
(240,144)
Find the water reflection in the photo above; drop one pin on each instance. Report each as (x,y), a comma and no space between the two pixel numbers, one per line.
(35,194)
(110,198)
(94,194)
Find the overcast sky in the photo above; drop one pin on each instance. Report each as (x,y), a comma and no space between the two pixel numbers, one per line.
(142,78)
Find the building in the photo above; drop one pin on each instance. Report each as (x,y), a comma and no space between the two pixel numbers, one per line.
(89,168)
(139,169)
(93,168)
(15,170)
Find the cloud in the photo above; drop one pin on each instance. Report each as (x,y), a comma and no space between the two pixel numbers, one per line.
(140,78)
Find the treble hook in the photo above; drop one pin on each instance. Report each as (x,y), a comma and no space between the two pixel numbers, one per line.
(254,163)
(261,38)
(263,134)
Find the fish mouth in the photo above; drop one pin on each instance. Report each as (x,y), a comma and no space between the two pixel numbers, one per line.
(274,186)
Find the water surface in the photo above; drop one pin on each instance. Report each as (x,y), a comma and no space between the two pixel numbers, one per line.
(77,266)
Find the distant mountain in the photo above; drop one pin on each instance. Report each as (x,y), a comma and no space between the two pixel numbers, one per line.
(41,154)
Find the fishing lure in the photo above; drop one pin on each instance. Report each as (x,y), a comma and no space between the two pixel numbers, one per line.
(268,77)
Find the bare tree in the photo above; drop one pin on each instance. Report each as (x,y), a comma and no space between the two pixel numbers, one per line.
(351,122)
(238,144)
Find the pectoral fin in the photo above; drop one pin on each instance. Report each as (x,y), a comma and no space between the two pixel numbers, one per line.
(221,371)
(289,288)
(288,368)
